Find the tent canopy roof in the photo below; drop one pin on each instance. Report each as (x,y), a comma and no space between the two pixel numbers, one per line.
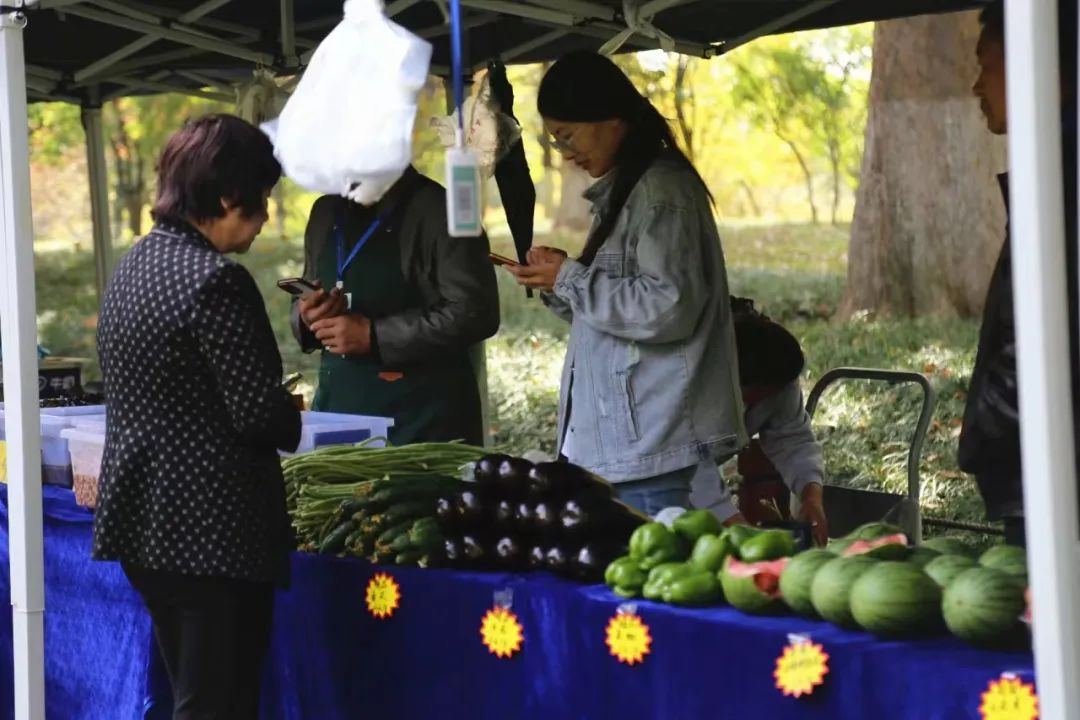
(88,51)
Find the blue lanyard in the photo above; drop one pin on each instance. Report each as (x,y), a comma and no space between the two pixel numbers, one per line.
(456,69)
(342,261)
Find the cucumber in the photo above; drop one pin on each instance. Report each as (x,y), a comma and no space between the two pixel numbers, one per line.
(410,509)
(335,541)
(409,557)
(392,532)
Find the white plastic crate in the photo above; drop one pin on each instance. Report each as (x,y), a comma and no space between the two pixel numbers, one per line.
(55,462)
(322,428)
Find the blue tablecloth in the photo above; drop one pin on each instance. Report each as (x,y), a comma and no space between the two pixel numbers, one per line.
(332,661)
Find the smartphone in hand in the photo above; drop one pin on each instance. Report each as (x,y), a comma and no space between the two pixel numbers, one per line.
(502,259)
(297,286)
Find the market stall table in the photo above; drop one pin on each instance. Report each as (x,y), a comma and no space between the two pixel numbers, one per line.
(332,660)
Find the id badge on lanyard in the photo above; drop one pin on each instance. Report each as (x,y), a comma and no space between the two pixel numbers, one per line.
(344,261)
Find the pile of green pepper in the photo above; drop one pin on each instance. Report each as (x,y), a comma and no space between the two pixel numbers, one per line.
(681,565)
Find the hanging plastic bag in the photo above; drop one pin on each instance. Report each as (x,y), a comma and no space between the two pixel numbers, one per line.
(489,133)
(347,129)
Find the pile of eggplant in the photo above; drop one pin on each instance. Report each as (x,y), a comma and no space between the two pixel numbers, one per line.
(517,516)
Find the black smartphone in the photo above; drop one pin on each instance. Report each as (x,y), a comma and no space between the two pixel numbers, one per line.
(501,259)
(297,286)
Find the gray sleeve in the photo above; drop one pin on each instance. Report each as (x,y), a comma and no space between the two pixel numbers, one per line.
(663,301)
(467,308)
(787,439)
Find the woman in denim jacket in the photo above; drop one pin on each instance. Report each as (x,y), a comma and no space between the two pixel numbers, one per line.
(650,387)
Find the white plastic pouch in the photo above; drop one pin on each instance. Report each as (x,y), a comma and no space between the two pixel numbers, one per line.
(347,129)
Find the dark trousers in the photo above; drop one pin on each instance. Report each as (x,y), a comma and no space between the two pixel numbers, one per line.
(213,634)
(1015,533)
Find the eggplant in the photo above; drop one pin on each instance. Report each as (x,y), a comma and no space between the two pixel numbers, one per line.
(486,471)
(452,552)
(513,479)
(592,559)
(556,560)
(560,479)
(537,559)
(473,551)
(505,515)
(445,513)
(470,507)
(524,518)
(510,554)
(589,516)
(545,518)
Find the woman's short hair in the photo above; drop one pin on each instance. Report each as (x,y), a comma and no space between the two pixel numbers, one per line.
(213,157)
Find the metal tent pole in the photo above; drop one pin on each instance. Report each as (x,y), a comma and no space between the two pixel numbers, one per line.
(1043,357)
(18,319)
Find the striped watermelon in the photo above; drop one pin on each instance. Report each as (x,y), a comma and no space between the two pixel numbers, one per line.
(886,547)
(1010,559)
(949,546)
(921,556)
(896,600)
(831,589)
(797,578)
(753,587)
(944,568)
(983,606)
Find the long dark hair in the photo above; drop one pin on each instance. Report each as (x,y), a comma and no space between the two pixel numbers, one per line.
(588,87)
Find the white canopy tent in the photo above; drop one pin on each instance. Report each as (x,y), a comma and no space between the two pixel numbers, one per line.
(555,25)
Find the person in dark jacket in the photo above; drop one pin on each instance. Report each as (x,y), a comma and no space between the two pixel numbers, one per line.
(192,499)
(990,436)
(402,304)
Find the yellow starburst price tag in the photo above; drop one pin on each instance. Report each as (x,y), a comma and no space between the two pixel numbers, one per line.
(383,596)
(501,632)
(1009,698)
(801,668)
(628,638)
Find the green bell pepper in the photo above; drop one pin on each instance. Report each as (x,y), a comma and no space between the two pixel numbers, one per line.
(653,544)
(738,534)
(625,577)
(709,552)
(661,577)
(693,524)
(767,545)
(697,589)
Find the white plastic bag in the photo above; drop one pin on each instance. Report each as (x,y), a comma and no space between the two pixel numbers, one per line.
(347,129)
(489,133)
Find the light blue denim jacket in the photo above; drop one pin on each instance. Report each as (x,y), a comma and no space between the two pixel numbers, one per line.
(651,371)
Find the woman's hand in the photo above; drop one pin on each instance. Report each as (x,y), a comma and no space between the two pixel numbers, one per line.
(542,270)
(812,510)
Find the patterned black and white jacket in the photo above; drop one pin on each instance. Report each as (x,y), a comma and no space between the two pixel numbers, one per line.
(191,480)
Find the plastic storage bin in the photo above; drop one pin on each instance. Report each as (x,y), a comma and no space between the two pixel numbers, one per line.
(322,428)
(55,461)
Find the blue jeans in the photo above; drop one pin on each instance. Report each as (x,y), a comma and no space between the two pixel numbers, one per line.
(651,495)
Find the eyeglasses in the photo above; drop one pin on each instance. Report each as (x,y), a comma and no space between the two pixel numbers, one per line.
(564,145)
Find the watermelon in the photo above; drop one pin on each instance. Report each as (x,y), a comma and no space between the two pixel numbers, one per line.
(949,546)
(873,531)
(753,587)
(1010,559)
(896,600)
(921,556)
(983,606)
(831,589)
(797,577)
(837,546)
(944,568)
(886,547)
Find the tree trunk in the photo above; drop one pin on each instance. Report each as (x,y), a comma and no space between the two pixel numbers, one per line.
(684,97)
(573,211)
(807,176)
(929,217)
(834,166)
(749,192)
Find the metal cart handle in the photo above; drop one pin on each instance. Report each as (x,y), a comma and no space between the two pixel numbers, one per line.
(893,377)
